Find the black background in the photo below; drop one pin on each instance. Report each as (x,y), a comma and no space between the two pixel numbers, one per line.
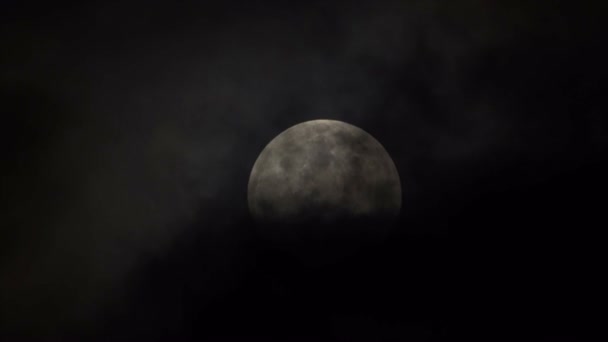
(129,130)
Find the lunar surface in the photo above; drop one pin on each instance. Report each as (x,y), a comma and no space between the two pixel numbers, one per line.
(323,171)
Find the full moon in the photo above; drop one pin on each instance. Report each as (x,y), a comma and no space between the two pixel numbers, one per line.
(323,172)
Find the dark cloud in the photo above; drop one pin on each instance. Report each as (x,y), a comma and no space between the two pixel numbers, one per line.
(130,128)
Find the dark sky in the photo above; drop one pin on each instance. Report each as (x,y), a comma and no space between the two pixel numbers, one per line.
(129,130)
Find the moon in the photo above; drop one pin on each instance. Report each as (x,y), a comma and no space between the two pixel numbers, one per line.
(323,172)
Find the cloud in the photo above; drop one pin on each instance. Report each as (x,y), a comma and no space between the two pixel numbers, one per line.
(172,105)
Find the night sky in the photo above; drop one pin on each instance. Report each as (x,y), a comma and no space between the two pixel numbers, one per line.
(129,129)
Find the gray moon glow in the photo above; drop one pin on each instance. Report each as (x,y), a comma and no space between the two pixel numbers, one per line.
(323,171)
